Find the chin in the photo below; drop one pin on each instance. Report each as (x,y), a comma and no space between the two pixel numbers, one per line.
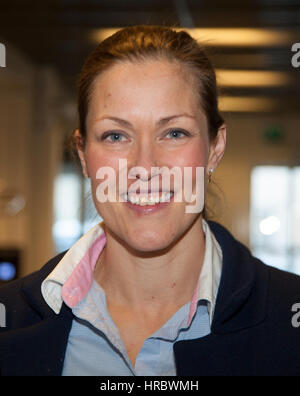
(150,241)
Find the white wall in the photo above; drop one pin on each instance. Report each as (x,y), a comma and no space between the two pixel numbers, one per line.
(32,129)
(246,148)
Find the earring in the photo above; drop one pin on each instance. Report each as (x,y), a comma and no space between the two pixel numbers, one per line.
(209,174)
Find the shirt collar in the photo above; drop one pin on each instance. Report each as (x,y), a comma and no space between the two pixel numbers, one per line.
(72,278)
(210,275)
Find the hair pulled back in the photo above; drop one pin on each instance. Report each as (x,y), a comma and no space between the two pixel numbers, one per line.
(144,42)
(138,43)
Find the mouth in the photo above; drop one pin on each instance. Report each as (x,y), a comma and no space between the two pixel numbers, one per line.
(149,199)
(145,204)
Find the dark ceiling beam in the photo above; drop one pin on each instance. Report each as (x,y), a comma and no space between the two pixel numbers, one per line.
(87,20)
(58,33)
(183,13)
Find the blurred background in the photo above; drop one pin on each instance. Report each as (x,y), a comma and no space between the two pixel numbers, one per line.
(45,204)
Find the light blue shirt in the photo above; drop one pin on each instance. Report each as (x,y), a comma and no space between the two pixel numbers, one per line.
(95,347)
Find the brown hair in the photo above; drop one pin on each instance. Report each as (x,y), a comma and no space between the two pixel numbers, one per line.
(138,43)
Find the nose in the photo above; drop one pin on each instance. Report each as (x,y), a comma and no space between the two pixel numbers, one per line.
(144,159)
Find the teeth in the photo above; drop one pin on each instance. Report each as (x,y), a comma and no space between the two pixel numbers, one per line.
(142,200)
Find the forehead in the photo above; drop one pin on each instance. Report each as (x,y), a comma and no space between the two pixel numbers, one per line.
(148,87)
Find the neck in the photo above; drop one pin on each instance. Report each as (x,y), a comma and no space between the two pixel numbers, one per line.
(166,280)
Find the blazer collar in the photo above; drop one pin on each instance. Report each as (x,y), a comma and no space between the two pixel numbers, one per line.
(242,285)
(39,348)
(31,288)
(242,295)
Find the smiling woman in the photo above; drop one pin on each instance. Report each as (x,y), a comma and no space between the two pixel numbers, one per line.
(153,289)
(148,103)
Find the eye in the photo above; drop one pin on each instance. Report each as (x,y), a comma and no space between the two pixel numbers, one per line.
(112,137)
(176,133)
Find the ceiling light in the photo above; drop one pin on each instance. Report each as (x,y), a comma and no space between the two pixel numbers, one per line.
(240,37)
(251,78)
(246,104)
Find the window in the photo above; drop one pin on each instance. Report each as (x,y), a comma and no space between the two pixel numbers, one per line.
(74,212)
(275,216)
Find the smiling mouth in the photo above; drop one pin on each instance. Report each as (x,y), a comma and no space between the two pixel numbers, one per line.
(144,199)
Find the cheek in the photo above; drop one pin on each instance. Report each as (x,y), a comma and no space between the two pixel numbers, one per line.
(195,156)
(191,160)
(97,159)
(191,157)
(192,163)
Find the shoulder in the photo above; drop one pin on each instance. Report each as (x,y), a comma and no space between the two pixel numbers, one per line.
(11,288)
(15,296)
(237,256)
(284,289)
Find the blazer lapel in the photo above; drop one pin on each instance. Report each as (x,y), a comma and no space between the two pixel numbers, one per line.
(241,304)
(242,295)
(37,348)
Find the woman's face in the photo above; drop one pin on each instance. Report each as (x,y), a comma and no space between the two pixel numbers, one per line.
(147,114)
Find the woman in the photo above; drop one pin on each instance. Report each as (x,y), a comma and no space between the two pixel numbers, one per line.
(155,289)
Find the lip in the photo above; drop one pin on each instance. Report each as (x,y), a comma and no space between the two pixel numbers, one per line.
(149,192)
(148,209)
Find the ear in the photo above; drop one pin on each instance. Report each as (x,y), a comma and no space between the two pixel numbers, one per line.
(217,148)
(80,150)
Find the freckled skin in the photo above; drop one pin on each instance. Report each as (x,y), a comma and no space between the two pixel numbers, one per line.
(142,94)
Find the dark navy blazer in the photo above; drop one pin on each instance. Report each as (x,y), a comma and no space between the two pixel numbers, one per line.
(252,331)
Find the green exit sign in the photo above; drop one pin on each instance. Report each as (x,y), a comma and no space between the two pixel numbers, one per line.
(273,134)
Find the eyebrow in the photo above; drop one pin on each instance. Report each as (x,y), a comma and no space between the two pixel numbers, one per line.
(160,122)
